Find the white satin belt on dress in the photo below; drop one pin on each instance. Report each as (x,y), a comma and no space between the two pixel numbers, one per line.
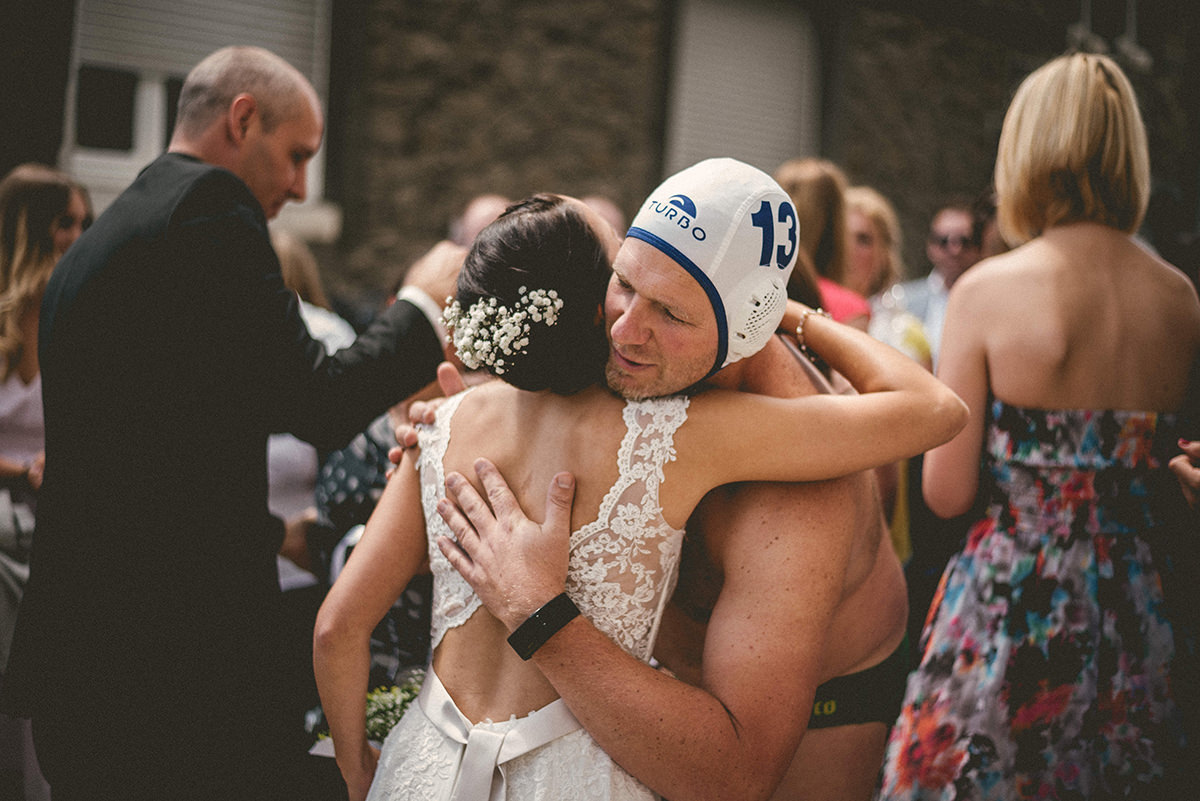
(481,774)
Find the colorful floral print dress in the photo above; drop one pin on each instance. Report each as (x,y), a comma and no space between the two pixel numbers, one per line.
(1047,660)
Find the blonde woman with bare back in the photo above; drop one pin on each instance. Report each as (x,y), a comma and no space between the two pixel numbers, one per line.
(1050,660)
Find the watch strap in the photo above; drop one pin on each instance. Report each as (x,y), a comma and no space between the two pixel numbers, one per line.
(542,625)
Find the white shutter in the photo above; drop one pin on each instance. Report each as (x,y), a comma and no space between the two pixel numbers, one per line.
(744,83)
(170,37)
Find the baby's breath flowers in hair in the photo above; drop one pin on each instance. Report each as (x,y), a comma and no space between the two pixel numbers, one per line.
(489,334)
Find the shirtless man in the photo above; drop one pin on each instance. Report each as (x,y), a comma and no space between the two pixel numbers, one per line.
(845,585)
(803,589)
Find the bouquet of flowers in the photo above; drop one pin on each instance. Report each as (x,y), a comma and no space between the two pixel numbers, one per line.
(385,707)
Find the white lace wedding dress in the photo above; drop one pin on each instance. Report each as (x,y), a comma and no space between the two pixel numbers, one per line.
(622,570)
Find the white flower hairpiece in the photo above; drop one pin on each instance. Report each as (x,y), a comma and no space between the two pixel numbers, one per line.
(488,332)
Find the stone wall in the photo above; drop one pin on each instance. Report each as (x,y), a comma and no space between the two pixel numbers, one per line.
(917,113)
(444,99)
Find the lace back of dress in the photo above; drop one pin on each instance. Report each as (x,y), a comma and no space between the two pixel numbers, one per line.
(453,599)
(624,564)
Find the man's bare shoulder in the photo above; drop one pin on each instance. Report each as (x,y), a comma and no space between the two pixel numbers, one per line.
(781,371)
(821,508)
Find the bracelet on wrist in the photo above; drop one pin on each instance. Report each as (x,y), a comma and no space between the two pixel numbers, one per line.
(800,329)
(543,624)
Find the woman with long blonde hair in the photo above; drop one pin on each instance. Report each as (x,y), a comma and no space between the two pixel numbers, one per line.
(41,213)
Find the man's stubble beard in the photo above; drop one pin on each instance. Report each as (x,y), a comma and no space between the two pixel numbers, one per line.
(620,383)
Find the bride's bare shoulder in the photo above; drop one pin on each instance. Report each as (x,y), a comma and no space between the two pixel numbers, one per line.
(496,403)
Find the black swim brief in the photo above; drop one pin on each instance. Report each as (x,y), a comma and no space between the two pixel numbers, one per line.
(869,696)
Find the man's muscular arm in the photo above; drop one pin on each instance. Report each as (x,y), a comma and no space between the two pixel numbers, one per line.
(732,737)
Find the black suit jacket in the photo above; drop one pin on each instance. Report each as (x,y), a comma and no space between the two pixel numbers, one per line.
(170,350)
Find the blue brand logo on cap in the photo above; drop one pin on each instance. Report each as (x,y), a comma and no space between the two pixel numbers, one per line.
(680,210)
(684,204)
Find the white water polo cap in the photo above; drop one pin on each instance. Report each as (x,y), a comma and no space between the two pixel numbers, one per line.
(735,231)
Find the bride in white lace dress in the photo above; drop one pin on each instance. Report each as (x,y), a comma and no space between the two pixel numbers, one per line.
(488,725)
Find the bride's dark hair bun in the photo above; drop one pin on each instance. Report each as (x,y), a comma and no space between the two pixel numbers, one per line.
(530,297)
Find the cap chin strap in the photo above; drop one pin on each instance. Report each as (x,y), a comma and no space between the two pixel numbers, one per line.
(714,297)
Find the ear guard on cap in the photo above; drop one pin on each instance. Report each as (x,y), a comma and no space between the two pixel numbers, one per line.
(754,319)
(735,231)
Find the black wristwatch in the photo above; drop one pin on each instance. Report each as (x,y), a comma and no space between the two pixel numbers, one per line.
(542,625)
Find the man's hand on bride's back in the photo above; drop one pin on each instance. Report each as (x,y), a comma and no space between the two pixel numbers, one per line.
(514,564)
